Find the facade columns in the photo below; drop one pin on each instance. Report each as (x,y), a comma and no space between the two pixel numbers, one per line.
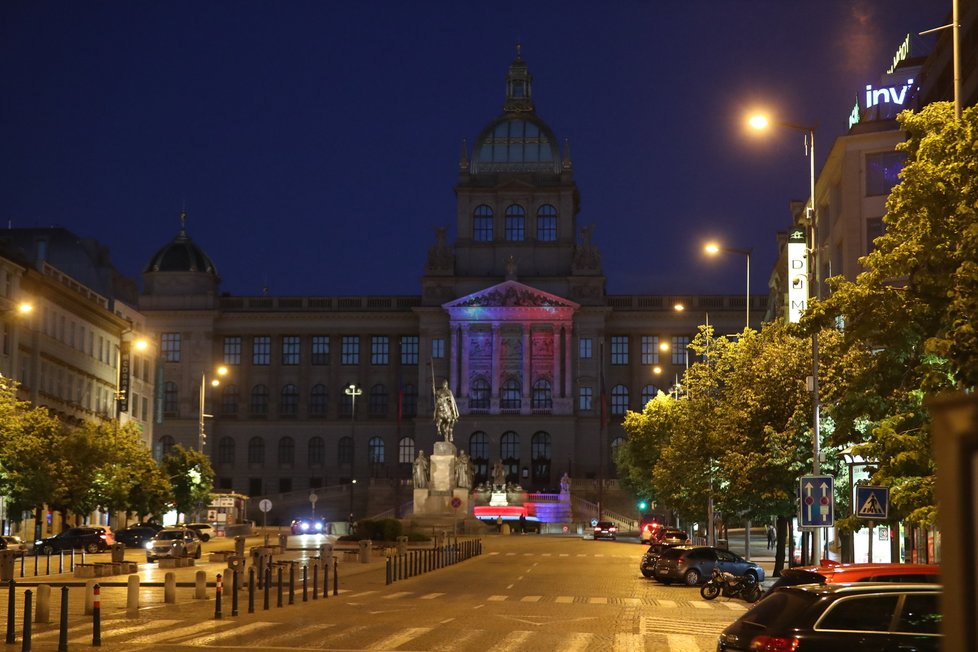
(496,352)
(567,332)
(464,351)
(527,381)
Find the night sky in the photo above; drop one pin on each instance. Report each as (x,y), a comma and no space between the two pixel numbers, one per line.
(315,145)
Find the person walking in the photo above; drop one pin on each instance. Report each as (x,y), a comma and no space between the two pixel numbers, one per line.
(772,537)
(522,524)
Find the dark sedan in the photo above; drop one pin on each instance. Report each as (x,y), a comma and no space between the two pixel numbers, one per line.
(605,530)
(869,617)
(136,536)
(694,564)
(647,565)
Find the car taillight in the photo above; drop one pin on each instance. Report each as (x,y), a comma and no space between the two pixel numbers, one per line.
(612,529)
(774,644)
(101,536)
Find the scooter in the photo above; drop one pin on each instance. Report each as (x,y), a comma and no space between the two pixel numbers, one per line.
(731,586)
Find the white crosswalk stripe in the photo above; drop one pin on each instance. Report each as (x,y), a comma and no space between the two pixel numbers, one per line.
(515,640)
(682,643)
(224,635)
(395,640)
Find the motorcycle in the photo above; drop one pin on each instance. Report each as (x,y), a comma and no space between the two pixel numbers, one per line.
(731,586)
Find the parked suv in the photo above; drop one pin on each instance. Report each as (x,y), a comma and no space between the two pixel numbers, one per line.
(860,616)
(695,564)
(173,542)
(90,539)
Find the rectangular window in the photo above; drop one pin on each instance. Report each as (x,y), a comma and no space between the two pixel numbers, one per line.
(169,347)
(380,350)
(232,350)
(680,350)
(320,349)
(584,397)
(409,349)
(585,349)
(619,349)
(882,172)
(438,348)
(650,349)
(290,349)
(515,228)
(350,350)
(261,350)
(482,228)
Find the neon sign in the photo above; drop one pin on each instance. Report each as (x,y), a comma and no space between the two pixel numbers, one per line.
(887,94)
(902,53)
(797,275)
(854,114)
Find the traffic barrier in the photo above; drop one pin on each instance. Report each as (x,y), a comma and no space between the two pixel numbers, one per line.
(251,590)
(63,622)
(217,598)
(200,585)
(234,594)
(132,596)
(170,587)
(26,646)
(278,588)
(291,582)
(96,617)
(11,609)
(42,611)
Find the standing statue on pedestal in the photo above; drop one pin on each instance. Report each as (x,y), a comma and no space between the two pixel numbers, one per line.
(446,411)
(499,474)
(565,484)
(421,471)
(464,471)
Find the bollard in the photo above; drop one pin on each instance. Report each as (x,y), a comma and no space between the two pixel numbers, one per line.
(291,582)
(278,589)
(217,597)
(63,621)
(251,590)
(170,588)
(268,580)
(11,610)
(305,583)
(132,596)
(200,585)
(388,570)
(234,593)
(37,560)
(26,645)
(326,578)
(336,578)
(96,617)
(89,596)
(42,610)
(23,560)
(315,581)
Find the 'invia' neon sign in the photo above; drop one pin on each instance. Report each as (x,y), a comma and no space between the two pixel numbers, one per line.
(888,94)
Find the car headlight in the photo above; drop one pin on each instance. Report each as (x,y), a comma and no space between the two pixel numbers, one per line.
(149,545)
(319,527)
(303,526)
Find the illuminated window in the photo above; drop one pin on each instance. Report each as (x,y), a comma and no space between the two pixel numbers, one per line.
(542,399)
(619,350)
(680,350)
(883,172)
(547,223)
(482,224)
(320,349)
(350,350)
(438,348)
(261,350)
(409,349)
(479,394)
(290,350)
(405,451)
(232,350)
(170,347)
(380,350)
(585,349)
(649,392)
(510,396)
(585,395)
(619,399)
(515,223)
(650,349)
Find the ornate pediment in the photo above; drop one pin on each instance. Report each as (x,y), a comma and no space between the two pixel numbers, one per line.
(511,294)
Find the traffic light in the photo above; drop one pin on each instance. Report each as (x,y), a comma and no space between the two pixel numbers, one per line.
(642,505)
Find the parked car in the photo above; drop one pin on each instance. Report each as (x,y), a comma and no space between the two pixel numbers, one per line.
(173,542)
(673,535)
(204,530)
(694,564)
(14,543)
(605,530)
(309,525)
(834,573)
(647,565)
(90,539)
(860,616)
(135,536)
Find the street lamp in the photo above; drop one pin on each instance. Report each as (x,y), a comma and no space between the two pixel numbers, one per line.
(201,435)
(761,122)
(353,392)
(713,249)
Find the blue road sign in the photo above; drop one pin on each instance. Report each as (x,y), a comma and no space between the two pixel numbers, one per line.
(816,495)
(872,502)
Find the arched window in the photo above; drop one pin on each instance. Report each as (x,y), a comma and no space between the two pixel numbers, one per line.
(479,394)
(229,400)
(649,392)
(510,397)
(225,450)
(318,401)
(541,395)
(286,451)
(256,450)
(317,451)
(344,451)
(482,224)
(259,401)
(515,223)
(166,445)
(479,453)
(409,402)
(619,399)
(540,454)
(289,405)
(509,451)
(547,223)
(378,401)
(375,456)
(405,451)
(171,403)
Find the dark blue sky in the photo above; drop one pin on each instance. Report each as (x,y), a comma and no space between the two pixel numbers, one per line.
(315,144)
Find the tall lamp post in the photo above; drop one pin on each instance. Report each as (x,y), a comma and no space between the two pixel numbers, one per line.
(353,392)
(713,249)
(761,122)
(215,381)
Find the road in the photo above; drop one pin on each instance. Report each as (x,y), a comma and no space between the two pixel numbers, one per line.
(524,593)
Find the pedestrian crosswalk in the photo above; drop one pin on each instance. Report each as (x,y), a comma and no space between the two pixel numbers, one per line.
(655,634)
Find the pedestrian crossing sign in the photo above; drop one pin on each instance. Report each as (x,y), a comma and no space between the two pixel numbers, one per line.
(872,502)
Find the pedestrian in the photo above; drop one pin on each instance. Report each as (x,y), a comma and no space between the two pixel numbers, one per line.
(499,524)
(772,536)
(522,524)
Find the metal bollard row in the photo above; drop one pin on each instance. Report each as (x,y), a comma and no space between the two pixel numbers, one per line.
(416,562)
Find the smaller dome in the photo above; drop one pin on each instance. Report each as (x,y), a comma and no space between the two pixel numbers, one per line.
(181,255)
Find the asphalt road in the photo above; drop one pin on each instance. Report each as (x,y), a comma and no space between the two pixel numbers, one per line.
(523,593)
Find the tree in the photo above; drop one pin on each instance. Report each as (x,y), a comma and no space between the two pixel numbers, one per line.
(192,477)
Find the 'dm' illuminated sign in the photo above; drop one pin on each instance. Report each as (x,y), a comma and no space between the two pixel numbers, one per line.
(797,274)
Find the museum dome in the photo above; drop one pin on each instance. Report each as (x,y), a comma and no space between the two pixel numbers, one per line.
(518,140)
(181,255)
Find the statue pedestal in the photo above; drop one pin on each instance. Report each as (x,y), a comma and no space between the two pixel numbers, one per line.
(442,480)
(430,504)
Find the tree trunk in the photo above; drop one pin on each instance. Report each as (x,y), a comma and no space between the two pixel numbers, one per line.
(782,525)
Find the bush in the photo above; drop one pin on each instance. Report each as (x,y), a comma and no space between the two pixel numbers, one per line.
(387,529)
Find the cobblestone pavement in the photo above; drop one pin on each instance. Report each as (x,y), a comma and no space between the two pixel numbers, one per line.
(522,593)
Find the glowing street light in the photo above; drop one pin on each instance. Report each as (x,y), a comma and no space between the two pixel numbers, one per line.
(713,249)
(215,381)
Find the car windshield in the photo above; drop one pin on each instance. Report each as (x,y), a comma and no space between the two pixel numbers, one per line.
(169,536)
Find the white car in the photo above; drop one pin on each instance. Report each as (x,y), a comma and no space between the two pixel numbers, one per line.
(173,542)
(16,544)
(204,530)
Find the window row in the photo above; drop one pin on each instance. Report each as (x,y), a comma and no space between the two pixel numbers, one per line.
(510,394)
(620,400)
(652,349)
(514,223)
(257,403)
